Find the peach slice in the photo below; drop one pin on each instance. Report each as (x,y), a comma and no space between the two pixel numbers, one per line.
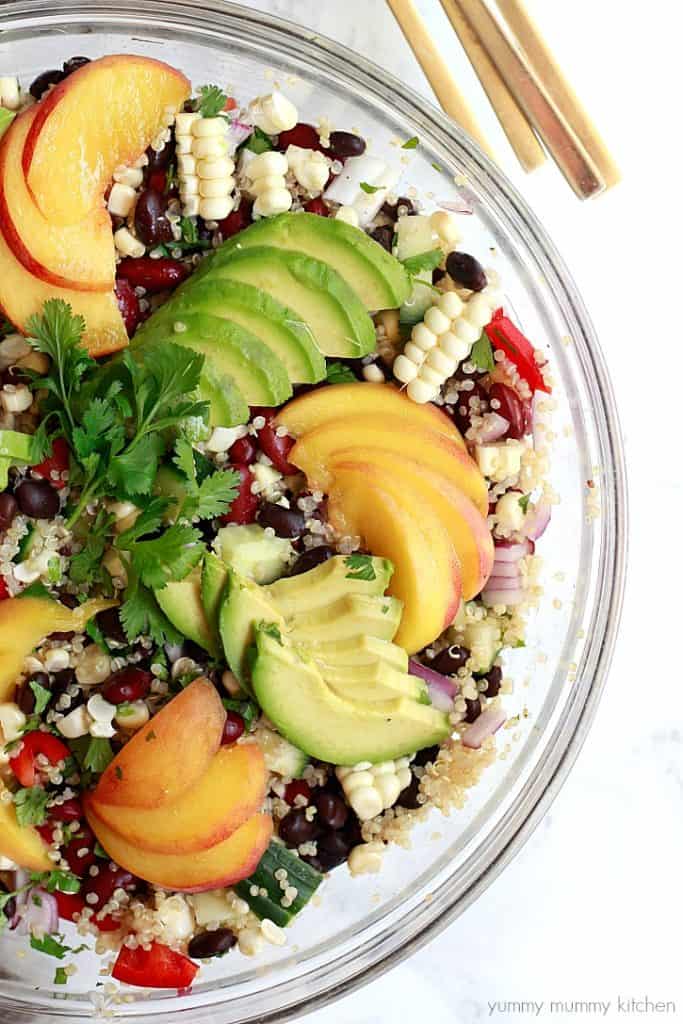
(22,294)
(102,116)
(231,791)
(341,400)
(168,755)
(23,845)
(221,865)
(25,621)
(400,526)
(339,438)
(78,256)
(466,526)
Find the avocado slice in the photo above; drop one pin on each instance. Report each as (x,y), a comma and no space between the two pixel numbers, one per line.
(347,617)
(279,327)
(362,650)
(367,684)
(256,371)
(214,575)
(331,580)
(243,605)
(377,277)
(294,695)
(182,604)
(334,313)
(253,553)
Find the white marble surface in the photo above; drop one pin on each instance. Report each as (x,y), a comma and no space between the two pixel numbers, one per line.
(590,909)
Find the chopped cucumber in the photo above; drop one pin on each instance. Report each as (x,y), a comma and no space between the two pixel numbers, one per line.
(414,235)
(302,876)
(281,756)
(26,544)
(422,296)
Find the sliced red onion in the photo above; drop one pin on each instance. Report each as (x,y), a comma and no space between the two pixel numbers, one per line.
(20,880)
(492,597)
(494,427)
(39,916)
(537,519)
(496,582)
(489,721)
(456,206)
(442,689)
(507,552)
(509,570)
(238,132)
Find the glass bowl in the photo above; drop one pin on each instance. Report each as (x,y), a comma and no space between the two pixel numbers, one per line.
(364,926)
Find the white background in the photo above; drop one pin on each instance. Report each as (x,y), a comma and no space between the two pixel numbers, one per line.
(591,908)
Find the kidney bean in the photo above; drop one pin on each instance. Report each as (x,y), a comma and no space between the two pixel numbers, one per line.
(233,728)
(473,710)
(277,448)
(384,236)
(494,678)
(129,305)
(153,275)
(295,788)
(109,622)
(244,507)
(343,144)
(79,852)
(9,508)
(318,206)
(236,221)
(287,522)
(309,559)
(159,161)
(43,82)
(466,270)
(56,462)
(37,499)
(303,135)
(513,408)
(450,660)
(244,451)
(104,884)
(70,810)
(209,944)
(332,811)
(295,828)
(127,685)
(465,408)
(151,223)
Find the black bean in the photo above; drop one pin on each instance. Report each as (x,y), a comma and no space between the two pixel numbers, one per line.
(295,828)
(25,697)
(208,944)
(408,796)
(73,64)
(311,558)
(14,375)
(332,811)
(60,682)
(151,223)
(8,510)
(467,271)
(333,849)
(473,710)
(403,207)
(448,661)
(37,499)
(43,82)
(109,622)
(10,908)
(159,161)
(343,144)
(286,522)
(438,275)
(425,756)
(70,600)
(493,678)
(384,236)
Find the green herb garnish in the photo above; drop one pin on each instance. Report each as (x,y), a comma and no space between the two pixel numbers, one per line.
(98,755)
(524,502)
(61,977)
(361,566)
(337,373)
(211,101)
(258,142)
(50,946)
(31,805)
(270,629)
(370,189)
(423,261)
(481,355)
(411,143)
(42,695)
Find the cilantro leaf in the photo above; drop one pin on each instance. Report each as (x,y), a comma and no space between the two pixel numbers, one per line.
(50,946)
(86,565)
(361,566)
(271,629)
(214,496)
(437,167)
(58,334)
(134,470)
(188,231)
(42,696)
(184,460)
(370,189)
(423,261)
(31,805)
(61,977)
(141,616)
(57,881)
(211,101)
(167,558)
(149,521)
(524,502)
(246,708)
(337,373)
(6,327)
(258,142)
(98,755)
(481,355)
(96,635)
(411,143)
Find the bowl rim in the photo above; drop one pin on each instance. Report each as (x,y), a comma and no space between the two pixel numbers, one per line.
(518,221)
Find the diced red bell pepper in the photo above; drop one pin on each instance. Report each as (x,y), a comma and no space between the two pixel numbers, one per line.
(70,904)
(230,103)
(4,592)
(32,745)
(156,967)
(58,461)
(504,336)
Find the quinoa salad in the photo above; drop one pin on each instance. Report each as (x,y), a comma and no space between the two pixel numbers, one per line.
(273,467)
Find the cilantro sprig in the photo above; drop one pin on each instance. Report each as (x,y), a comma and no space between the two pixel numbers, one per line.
(338,373)
(31,805)
(211,101)
(423,261)
(361,567)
